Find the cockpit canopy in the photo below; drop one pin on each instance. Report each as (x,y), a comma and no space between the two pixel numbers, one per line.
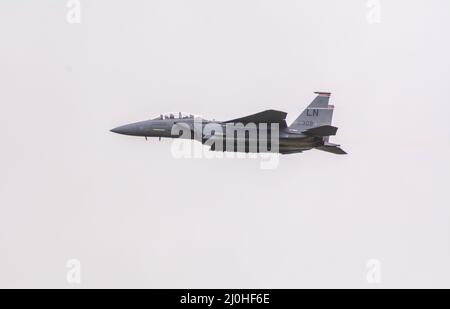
(177,115)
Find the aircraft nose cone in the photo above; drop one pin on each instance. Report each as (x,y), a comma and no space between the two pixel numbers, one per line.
(142,128)
(128,129)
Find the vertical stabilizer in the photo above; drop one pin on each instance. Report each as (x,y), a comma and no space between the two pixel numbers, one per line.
(318,113)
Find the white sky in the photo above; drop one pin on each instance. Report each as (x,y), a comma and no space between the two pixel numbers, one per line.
(136,217)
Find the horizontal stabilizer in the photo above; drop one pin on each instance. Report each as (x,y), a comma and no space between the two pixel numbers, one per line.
(331,148)
(290,151)
(321,131)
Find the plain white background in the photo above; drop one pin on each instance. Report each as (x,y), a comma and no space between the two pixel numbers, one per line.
(136,217)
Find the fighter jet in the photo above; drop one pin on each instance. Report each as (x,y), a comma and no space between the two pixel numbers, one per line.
(311,130)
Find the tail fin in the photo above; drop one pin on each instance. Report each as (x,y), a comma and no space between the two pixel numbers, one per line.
(317,114)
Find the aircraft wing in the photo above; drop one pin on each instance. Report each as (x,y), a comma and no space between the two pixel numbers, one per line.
(268,116)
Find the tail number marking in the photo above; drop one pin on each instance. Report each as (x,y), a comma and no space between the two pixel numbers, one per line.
(312,112)
(307,123)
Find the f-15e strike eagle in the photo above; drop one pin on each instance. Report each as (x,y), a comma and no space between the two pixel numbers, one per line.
(311,129)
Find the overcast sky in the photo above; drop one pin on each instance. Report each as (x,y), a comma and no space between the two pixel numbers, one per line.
(135,216)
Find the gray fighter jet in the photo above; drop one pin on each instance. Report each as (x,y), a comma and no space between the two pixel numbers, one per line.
(311,129)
